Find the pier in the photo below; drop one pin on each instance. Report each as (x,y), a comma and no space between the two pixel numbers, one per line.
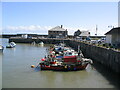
(105,56)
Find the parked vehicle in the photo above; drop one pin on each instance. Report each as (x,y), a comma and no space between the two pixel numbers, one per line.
(102,40)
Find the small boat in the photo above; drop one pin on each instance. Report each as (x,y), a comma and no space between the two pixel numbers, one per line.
(41,43)
(33,43)
(11,45)
(1,48)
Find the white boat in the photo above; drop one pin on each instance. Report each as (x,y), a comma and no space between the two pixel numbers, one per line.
(1,48)
(33,43)
(41,43)
(11,45)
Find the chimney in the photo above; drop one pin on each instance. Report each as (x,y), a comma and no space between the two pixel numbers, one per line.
(61,26)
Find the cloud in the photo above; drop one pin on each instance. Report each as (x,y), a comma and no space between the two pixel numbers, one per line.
(28,29)
(0,30)
(37,29)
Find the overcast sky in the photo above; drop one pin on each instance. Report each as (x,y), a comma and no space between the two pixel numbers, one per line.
(39,17)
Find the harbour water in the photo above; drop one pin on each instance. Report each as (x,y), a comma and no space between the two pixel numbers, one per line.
(17,71)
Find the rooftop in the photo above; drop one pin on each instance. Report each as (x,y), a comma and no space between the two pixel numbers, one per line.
(85,33)
(57,28)
(113,31)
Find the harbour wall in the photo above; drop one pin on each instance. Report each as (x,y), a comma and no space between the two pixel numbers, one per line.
(107,57)
(36,40)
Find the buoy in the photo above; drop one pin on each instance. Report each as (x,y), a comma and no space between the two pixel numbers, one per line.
(43,59)
(32,66)
(65,66)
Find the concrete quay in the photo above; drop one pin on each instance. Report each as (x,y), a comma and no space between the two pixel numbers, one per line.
(107,57)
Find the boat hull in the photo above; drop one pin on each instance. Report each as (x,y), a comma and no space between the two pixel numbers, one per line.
(1,50)
(10,46)
(64,68)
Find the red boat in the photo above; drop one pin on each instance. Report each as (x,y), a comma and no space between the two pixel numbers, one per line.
(64,59)
(64,68)
(70,63)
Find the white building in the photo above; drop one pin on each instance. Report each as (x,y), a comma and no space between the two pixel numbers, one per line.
(113,37)
(85,34)
(24,36)
(109,38)
(81,35)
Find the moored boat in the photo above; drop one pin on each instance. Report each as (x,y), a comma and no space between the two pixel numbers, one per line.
(64,68)
(11,45)
(1,48)
(64,59)
(41,43)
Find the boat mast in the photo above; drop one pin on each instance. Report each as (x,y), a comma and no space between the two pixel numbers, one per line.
(78,49)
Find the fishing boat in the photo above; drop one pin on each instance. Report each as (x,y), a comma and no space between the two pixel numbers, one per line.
(71,65)
(11,45)
(64,59)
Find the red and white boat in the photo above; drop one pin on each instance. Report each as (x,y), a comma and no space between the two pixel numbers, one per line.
(64,60)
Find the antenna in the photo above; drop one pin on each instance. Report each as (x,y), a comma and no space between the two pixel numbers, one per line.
(78,48)
(96,30)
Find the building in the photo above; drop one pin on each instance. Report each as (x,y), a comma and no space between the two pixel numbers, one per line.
(81,34)
(58,32)
(113,37)
(26,35)
(85,34)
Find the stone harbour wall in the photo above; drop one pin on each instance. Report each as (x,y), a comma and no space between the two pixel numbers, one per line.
(107,57)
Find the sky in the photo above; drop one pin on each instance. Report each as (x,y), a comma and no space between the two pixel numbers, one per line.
(39,17)
(119,14)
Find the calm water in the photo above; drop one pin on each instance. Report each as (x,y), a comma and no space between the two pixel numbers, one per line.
(1,54)
(17,72)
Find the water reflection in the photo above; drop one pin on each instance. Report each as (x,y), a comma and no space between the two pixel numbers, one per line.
(111,76)
(1,54)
